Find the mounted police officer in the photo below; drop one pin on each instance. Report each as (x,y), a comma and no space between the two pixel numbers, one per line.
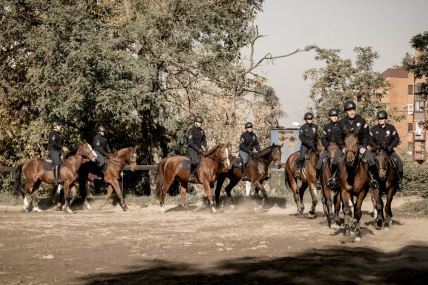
(55,150)
(309,136)
(101,146)
(357,125)
(385,135)
(248,144)
(329,136)
(196,144)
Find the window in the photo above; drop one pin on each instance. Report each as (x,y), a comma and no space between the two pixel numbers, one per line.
(419,129)
(410,127)
(410,148)
(410,89)
(409,109)
(417,88)
(419,106)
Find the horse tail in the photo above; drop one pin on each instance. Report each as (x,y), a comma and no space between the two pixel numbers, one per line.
(18,174)
(160,177)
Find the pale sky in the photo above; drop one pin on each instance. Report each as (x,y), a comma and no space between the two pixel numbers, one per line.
(385,25)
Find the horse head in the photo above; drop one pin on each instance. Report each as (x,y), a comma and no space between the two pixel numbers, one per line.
(129,155)
(351,148)
(86,150)
(276,154)
(381,160)
(221,154)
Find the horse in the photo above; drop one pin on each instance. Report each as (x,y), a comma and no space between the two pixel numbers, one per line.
(308,178)
(116,161)
(388,184)
(257,171)
(353,180)
(328,198)
(177,167)
(34,173)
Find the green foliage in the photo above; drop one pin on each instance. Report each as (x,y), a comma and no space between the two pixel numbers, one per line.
(143,69)
(341,79)
(415,176)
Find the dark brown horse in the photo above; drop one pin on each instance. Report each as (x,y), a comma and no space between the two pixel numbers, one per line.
(353,178)
(308,178)
(34,174)
(257,171)
(388,184)
(116,162)
(330,196)
(216,160)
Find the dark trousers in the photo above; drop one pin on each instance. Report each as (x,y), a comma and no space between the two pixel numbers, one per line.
(245,157)
(55,156)
(194,157)
(303,151)
(100,159)
(398,162)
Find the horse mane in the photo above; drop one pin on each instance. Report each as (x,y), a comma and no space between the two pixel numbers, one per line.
(213,150)
(265,151)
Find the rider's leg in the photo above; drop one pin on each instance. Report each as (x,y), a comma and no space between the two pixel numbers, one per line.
(300,161)
(321,159)
(334,168)
(55,156)
(399,164)
(194,160)
(245,157)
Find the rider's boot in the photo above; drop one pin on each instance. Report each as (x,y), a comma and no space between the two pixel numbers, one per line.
(244,173)
(57,178)
(318,183)
(192,177)
(373,182)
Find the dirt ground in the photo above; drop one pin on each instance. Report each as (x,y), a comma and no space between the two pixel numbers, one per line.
(143,246)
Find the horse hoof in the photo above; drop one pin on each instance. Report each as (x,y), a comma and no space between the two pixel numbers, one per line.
(37,210)
(311,214)
(232,207)
(357,239)
(68,210)
(334,226)
(347,232)
(162,210)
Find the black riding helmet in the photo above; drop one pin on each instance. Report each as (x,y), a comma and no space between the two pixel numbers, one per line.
(248,125)
(382,115)
(308,116)
(349,105)
(333,112)
(198,119)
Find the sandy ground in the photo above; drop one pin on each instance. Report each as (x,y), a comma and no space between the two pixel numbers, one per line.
(143,246)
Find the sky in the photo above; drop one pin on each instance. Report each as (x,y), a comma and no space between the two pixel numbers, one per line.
(385,25)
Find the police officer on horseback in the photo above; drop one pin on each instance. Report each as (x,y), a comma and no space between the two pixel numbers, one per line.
(55,149)
(356,124)
(329,136)
(248,145)
(196,144)
(308,134)
(384,135)
(101,146)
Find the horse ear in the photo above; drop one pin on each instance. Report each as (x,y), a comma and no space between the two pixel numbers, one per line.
(137,147)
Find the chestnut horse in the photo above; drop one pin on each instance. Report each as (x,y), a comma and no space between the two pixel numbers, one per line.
(353,180)
(116,162)
(257,171)
(330,196)
(388,184)
(34,173)
(308,178)
(213,162)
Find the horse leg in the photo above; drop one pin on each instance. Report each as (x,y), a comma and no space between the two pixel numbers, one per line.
(260,187)
(345,196)
(358,213)
(164,189)
(314,199)
(378,207)
(183,194)
(208,191)
(119,194)
(389,196)
(66,193)
(27,196)
(34,198)
(108,195)
(328,205)
(336,202)
(218,186)
(73,194)
(301,193)
(228,189)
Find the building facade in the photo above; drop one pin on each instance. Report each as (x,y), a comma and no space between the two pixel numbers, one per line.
(402,97)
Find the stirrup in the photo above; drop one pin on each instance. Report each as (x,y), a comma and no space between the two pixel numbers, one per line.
(298,173)
(331,183)
(245,178)
(318,184)
(374,184)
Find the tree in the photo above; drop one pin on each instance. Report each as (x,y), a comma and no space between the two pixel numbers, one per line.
(341,79)
(419,64)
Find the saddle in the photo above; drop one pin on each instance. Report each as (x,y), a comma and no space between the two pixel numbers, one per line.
(48,164)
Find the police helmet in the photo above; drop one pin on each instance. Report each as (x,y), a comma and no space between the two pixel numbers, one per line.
(198,119)
(349,105)
(333,112)
(248,125)
(382,115)
(308,116)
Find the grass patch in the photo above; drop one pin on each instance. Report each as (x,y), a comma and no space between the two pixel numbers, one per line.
(416,207)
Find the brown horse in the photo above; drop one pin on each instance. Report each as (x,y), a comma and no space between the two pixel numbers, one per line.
(308,178)
(34,173)
(388,184)
(216,160)
(116,162)
(353,178)
(330,196)
(257,171)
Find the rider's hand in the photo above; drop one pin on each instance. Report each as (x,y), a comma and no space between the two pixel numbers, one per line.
(362,150)
(64,149)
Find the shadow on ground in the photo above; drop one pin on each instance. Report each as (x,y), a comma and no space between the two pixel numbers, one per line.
(327,266)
